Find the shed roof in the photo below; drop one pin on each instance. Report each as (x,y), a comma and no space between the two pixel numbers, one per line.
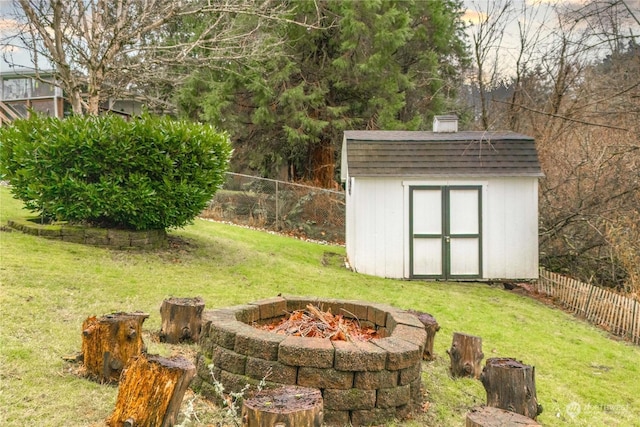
(414,153)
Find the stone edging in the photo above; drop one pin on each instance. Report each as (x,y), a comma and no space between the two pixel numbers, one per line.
(101,237)
(361,382)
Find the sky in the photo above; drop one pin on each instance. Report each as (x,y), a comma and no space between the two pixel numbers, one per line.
(536,13)
(8,26)
(20,56)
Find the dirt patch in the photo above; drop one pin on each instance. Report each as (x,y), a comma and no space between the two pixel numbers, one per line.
(332,259)
(178,249)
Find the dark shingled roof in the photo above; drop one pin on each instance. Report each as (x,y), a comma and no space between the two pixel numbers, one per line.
(410,153)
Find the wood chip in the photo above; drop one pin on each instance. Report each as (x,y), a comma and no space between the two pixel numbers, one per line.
(315,323)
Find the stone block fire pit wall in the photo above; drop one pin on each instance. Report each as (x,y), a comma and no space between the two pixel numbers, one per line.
(362,383)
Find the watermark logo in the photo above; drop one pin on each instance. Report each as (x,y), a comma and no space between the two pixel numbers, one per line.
(573,409)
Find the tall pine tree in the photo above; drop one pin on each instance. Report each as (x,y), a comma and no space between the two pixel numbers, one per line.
(377,64)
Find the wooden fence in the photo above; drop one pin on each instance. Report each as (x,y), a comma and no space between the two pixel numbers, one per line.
(617,314)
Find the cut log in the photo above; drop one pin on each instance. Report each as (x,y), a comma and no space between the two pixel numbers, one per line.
(181,319)
(288,406)
(431,327)
(109,342)
(466,355)
(487,416)
(151,392)
(511,385)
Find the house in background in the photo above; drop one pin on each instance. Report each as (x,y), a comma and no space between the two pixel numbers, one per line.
(20,91)
(122,107)
(443,205)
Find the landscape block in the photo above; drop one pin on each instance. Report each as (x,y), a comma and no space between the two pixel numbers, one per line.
(359,356)
(303,351)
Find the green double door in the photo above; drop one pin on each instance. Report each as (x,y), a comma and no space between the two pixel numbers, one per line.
(445,232)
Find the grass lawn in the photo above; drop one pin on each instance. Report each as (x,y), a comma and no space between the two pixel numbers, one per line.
(583,377)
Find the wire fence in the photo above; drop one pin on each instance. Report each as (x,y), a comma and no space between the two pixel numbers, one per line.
(295,209)
(616,313)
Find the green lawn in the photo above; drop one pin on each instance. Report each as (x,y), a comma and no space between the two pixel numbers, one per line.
(583,377)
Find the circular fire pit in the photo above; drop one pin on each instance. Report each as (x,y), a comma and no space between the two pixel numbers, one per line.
(362,383)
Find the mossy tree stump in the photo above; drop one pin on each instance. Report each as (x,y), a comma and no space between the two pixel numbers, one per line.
(151,392)
(511,385)
(181,319)
(289,406)
(466,355)
(109,342)
(431,326)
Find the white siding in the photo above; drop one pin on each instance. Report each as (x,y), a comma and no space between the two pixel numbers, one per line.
(350,224)
(376,213)
(511,229)
(377,229)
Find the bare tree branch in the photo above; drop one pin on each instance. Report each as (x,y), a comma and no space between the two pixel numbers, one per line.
(487,40)
(101,48)
(559,116)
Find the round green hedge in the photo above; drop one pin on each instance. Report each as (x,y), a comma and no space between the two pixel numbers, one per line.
(143,174)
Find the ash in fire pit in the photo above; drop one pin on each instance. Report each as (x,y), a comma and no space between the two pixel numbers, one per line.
(362,382)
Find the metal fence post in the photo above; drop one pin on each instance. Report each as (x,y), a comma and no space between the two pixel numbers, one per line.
(277,228)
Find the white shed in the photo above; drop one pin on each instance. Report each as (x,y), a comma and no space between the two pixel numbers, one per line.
(441,205)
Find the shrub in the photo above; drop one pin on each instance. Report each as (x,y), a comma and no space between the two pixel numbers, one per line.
(147,173)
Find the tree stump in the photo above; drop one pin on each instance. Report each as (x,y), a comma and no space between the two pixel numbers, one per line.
(466,355)
(151,391)
(109,342)
(288,406)
(431,327)
(511,385)
(181,319)
(488,416)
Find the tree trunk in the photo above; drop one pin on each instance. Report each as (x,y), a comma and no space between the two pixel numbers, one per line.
(511,385)
(431,327)
(495,417)
(466,355)
(181,319)
(322,161)
(151,391)
(75,97)
(109,342)
(288,406)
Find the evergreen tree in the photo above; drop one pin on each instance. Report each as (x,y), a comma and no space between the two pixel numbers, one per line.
(377,64)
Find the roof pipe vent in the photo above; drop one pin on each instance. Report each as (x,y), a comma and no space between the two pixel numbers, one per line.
(447,123)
